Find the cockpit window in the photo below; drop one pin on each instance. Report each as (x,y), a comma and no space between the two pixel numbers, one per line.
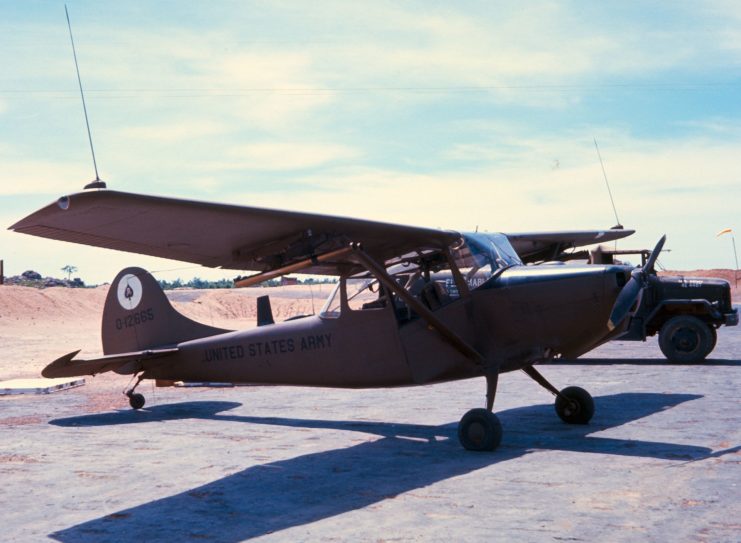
(479,256)
(332,306)
(427,276)
(363,293)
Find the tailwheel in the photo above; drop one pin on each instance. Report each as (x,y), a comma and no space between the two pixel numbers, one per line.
(136,400)
(574,405)
(480,430)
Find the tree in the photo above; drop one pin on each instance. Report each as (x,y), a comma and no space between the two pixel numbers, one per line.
(69,270)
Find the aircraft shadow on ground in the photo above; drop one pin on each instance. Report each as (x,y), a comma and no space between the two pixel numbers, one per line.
(271,497)
(641,362)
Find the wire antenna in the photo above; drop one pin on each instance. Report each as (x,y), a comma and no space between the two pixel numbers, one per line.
(97,184)
(612,201)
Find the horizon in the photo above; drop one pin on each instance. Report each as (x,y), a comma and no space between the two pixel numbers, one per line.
(479,114)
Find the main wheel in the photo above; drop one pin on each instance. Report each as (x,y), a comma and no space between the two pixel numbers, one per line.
(685,339)
(578,409)
(136,401)
(480,430)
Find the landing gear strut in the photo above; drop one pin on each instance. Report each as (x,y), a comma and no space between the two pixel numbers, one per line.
(136,400)
(574,405)
(480,429)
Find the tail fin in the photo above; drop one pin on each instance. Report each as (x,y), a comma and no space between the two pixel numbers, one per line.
(137,316)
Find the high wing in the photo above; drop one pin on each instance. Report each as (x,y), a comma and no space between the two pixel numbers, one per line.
(219,235)
(542,246)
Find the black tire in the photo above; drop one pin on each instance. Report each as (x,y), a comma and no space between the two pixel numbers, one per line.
(686,340)
(480,430)
(713,340)
(136,401)
(578,409)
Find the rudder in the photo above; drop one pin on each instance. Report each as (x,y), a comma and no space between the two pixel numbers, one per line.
(137,315)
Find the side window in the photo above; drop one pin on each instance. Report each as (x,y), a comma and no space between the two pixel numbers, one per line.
(332,306)
(363,294)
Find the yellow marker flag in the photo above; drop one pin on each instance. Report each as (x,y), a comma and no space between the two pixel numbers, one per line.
(724,231)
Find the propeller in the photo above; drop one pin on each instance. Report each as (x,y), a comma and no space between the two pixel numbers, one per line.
(632,290)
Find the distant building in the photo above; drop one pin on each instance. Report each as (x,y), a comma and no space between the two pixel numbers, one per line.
(288,281)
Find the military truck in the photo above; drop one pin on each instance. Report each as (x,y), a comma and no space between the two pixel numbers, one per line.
(684,311)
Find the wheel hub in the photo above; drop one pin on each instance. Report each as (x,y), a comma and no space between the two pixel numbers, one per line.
(476,432)
(685,340)
(571,409)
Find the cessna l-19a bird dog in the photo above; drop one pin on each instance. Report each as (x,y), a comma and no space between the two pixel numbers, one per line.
(412,305)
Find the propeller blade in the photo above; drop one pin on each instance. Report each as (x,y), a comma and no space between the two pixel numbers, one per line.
(625,300)
(632,290)
(648,268)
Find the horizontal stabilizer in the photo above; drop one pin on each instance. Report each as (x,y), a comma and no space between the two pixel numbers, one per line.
(68,366)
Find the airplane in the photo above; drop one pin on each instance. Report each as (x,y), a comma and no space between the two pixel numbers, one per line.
(412,305)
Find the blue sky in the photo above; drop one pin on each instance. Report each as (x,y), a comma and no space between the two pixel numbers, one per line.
(452,115)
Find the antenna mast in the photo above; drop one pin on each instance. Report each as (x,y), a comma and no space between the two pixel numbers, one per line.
(614,210)
(97,184)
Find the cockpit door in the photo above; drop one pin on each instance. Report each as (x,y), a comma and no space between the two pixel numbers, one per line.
(368,333)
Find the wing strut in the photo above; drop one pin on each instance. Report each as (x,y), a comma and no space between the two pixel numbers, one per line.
(291,268)
(435,323)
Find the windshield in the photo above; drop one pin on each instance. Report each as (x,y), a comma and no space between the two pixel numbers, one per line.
(495,247)
(482,255)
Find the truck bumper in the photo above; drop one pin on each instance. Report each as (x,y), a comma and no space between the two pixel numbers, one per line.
(731,319)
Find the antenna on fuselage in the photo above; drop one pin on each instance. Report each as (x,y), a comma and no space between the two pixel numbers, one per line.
(98,183)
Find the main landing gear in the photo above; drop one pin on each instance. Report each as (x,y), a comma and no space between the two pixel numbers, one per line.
(136,400)
(480,429)
(574,405)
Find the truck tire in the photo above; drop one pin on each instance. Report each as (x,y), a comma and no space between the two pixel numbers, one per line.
(685,340)
(713,340)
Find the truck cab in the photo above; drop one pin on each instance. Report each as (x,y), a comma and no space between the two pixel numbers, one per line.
(685,312)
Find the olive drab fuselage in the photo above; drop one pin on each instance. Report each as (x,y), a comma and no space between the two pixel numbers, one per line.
(523,316)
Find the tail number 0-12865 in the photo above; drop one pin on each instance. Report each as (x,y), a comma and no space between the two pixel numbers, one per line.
(135,319)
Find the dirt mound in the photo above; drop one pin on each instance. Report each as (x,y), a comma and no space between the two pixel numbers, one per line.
(237,308)
(37,326)
(19,305)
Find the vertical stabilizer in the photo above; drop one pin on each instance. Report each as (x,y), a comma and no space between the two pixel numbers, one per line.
(137,316)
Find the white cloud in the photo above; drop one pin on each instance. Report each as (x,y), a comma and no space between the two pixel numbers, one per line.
(288,156)
(173,132)
(37,177)
(544,44)
(273,89)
